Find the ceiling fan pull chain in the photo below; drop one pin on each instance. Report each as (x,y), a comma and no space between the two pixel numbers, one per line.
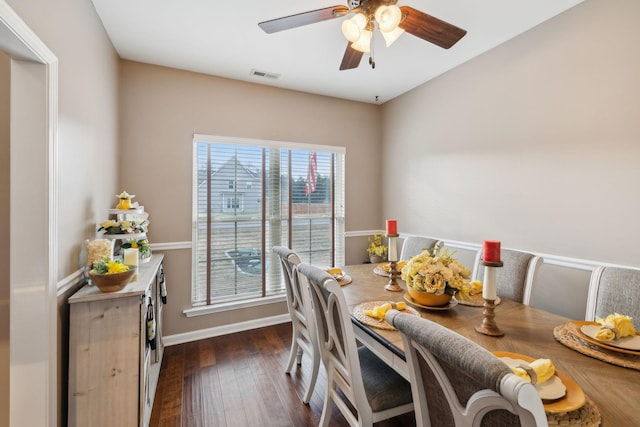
(372,61)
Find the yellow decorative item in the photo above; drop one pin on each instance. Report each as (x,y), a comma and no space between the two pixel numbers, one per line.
(380,311)
(606,334)
(125,200)
(538,371)
(623,324)
(476,287)
(376,248)
(401,305)
(543,368)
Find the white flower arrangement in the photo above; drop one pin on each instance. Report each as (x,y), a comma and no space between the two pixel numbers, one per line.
(123,227)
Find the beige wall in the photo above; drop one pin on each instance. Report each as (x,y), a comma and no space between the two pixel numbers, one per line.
(87,132)
(162,108)
(5,73)
(535,143)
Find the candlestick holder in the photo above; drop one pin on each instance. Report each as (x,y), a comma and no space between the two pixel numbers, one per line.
(488,325)
(392,285)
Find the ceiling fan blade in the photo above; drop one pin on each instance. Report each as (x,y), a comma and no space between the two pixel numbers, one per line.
(351,58)
(304,18)
(430,28)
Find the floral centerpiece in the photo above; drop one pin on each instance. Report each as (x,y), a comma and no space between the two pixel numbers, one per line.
(110,275)
(108,266)
(377,250)
(142,245)
(438,274)
(123,227)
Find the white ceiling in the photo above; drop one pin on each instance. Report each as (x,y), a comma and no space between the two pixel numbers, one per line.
(222,38)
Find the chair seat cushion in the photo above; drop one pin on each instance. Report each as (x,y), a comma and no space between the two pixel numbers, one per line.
(385,388)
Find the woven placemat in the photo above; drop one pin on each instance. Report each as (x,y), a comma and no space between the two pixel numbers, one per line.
(587,416)
(564,336)
(358,313)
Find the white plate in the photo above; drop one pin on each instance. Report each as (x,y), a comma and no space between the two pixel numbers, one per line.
(629,343)
(551,389)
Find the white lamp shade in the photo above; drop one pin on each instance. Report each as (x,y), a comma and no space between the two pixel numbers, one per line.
(363,44)
(352,28)
(388,18)
(392,36)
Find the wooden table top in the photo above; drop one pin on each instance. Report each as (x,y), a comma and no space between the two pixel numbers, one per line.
(528,331)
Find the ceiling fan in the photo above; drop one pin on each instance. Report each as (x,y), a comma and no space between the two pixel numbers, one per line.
(391,20)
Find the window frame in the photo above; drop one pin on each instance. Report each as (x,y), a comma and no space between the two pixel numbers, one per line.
(338,246)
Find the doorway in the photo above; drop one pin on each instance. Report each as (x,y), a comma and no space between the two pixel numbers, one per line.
(32,223)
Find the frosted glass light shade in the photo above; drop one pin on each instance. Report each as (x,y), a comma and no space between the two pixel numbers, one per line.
(352,28)
(392,36)
(388,18)
(363,44)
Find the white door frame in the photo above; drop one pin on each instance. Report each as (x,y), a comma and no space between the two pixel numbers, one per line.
(33,229)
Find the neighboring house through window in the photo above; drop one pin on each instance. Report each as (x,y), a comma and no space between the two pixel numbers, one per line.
(251,195)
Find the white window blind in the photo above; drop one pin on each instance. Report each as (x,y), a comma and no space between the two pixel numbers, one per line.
(251,195)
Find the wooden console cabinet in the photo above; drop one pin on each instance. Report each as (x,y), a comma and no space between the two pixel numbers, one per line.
(113,372)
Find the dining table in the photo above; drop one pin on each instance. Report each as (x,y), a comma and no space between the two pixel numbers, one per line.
(613,389)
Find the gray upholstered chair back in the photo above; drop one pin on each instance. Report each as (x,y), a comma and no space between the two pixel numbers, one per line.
(414,245)
(515,278)
(455,382)
(614,290)
(303,334)
(355,376)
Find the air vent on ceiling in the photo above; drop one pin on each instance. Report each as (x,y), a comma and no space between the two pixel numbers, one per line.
(264,74)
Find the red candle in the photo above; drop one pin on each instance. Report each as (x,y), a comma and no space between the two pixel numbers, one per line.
(491,251)
(392,226)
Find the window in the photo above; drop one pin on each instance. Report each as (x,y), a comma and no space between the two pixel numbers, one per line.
(233,202)
(291,195)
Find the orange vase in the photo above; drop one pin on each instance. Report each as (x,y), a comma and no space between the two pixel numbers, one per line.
(429,299)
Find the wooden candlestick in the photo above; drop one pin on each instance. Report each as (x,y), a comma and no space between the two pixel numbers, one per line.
(392,285)
(488,325)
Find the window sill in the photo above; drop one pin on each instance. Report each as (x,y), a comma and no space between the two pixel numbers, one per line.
(235,305)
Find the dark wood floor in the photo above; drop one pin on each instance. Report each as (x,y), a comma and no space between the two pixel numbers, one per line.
(238,380)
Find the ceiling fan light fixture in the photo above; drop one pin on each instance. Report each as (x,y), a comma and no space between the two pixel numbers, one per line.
(363,44)
(388,17)
(352,28)
(392,36)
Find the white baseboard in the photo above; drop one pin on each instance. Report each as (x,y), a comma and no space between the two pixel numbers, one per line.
(225,329)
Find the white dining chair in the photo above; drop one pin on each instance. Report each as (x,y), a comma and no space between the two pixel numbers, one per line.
(614,290)
(356,377)
(303,338)
(415,245)
(514,280)
(456,382)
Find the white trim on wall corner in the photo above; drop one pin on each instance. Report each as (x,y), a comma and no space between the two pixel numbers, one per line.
(70,281)
(225,329)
